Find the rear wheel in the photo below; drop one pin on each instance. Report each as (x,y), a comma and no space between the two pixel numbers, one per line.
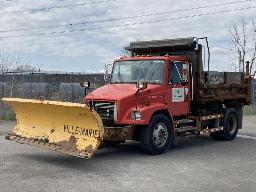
(157,137)
(231,123)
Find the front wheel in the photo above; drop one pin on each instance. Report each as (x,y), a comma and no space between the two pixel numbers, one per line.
(157,137)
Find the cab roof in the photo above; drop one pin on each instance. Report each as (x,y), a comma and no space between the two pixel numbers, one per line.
(149,57)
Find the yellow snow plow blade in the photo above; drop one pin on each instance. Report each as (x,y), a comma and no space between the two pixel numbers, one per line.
(68,128)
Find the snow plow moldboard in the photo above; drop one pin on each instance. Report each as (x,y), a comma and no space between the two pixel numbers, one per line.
(69,128)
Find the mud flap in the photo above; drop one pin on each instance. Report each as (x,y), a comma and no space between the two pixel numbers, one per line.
(69,128)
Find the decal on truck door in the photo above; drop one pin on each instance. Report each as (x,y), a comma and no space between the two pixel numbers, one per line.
(178,95)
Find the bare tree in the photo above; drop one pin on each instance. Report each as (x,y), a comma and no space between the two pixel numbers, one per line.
(25,68)
(108,69)
(6,60)
(125,52)
(15,61)
(21,63)
(39,67)
(243,37)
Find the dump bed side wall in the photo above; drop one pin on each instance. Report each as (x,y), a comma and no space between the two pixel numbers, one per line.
(224,87)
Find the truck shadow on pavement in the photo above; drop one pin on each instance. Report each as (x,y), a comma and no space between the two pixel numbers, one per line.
(130,151)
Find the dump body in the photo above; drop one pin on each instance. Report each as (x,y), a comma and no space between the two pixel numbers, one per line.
(225,86)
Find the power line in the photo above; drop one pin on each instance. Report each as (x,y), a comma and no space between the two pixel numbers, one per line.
(6,1)
(131,24)
(125,18)
(56,7)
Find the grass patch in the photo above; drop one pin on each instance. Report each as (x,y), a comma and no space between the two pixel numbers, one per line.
(7,115)
(248,110)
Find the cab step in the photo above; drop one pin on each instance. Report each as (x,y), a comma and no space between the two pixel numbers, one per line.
(185,129)
(184,121)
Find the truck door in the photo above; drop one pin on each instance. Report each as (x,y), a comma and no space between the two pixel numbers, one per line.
(179,88)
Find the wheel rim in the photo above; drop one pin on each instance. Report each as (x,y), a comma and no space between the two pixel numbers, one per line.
(160,135)
(232,124)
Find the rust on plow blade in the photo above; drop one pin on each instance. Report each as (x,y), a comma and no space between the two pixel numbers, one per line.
(69,128)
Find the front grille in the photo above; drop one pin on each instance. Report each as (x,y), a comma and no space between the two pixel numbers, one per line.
(106,110)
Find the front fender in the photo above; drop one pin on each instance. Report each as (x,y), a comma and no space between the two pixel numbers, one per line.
(146,114)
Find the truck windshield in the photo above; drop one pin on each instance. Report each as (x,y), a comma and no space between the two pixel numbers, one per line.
(151,71)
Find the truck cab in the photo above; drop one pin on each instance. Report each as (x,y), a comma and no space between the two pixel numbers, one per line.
(161,92)
(168,88)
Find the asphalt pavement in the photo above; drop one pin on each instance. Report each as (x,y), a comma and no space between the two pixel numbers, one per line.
(196,164)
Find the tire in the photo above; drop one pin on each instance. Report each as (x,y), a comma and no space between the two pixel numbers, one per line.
(157,137)
(231,123)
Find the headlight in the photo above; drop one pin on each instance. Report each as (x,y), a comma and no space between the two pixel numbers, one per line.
(136,115)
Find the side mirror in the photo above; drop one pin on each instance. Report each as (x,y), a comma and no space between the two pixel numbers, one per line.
(85,84)
(141,85)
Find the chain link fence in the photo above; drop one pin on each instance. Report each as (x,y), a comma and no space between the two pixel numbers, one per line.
(58,87)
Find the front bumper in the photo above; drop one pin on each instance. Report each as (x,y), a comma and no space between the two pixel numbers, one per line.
(118,133)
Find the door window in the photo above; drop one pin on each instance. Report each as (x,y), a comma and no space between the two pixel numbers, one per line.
(178,72)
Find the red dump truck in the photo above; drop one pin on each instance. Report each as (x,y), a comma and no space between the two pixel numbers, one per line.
(155,95)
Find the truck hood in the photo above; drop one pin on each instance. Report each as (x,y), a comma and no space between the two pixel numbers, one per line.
(116,92)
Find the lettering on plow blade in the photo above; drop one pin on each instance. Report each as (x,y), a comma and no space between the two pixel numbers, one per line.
(81,131)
